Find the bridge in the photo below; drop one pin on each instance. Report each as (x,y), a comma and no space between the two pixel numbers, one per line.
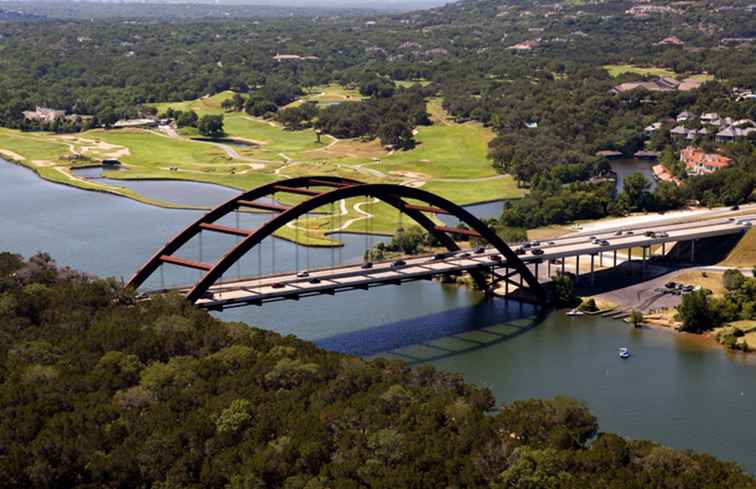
(519,270)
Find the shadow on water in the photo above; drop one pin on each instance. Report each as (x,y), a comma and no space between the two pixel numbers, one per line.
(441,335)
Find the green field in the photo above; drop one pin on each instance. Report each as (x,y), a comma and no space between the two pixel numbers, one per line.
(449,159)
(618,70)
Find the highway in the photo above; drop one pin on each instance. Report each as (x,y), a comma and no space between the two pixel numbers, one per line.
(289,286)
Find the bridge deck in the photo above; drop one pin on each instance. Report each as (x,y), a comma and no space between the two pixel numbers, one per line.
(287,286)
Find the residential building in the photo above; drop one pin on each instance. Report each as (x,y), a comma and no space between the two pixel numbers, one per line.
(663,175)
(698,162)
(44,114)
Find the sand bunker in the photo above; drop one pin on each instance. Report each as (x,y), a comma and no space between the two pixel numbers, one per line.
(411,174)
(11,154)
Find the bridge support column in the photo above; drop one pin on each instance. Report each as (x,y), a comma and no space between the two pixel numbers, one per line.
(593,257)
(506,282)
(615,258)
(601,260)
(536,270)
(677,250)
(664,249)
(548,269)
(692,250)
(643,267)
(577,268)
(630,258)
(563,264)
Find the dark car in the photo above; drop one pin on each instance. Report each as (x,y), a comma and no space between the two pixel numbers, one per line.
(525,246)
(367,265)
(520,251)
(650,234)
(277,285)
(495,257)
(441,256)
(465,255)
(314,280)
(735,208)
(537,251)
(618,233)
(629,233)
(399,263)
(480,250)
(604,242)
(670,285)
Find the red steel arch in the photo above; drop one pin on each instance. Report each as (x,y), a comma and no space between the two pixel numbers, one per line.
(340,188)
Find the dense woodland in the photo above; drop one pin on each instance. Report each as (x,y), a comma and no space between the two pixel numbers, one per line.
(96,391)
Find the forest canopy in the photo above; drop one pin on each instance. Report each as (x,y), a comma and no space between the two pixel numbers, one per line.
(99,391)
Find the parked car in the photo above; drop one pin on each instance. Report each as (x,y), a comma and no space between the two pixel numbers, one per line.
(399,263)
(303,274)
(367,265)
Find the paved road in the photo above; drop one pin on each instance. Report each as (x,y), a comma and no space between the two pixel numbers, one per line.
(289,284)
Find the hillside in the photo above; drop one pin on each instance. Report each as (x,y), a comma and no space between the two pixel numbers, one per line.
(97,394)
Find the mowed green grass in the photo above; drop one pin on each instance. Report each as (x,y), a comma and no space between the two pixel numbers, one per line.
(152,151)
(275,139)
(202,106)
(445,151)
(31,145)
(617,70)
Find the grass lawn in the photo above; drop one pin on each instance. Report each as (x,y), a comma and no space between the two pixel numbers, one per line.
(328,95)
(33,146)
(411,83)
(204,105)
(744,253)
(617,70)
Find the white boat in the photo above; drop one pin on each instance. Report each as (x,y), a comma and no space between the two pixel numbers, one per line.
(624,352)
(575,312)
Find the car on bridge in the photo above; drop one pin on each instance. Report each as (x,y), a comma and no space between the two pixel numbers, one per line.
(479,250)
(495,257)
(398,263)
(537,251)
(314,280)
(520,251)
(367,265)
(303,274)
(278,285)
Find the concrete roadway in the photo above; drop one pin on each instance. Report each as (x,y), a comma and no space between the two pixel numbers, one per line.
(289,286)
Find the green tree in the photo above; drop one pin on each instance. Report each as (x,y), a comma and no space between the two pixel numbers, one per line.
(396,134)
(636,187)
(695,313)
(211,125)
(564,290)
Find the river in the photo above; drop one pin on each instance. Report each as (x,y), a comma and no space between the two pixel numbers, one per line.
(676,389)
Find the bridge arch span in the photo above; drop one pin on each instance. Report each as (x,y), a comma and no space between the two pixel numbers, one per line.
(340,188)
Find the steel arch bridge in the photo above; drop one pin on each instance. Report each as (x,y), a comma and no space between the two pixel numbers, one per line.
(320,191)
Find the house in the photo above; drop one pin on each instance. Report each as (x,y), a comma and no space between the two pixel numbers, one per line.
(711,118)
(697,162)
(670,41)
(44,114)
(649,130)
(663,175)
(679,131)
(684,116)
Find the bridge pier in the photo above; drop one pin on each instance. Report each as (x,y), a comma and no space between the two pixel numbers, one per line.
(664,249)
(593,257)
(630,258)
(577,268)
(643,266)
(548,268)
(563,264)
(692,251)
(536,270)
(615,258)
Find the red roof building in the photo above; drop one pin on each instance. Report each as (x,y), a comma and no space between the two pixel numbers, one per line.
(697,162)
